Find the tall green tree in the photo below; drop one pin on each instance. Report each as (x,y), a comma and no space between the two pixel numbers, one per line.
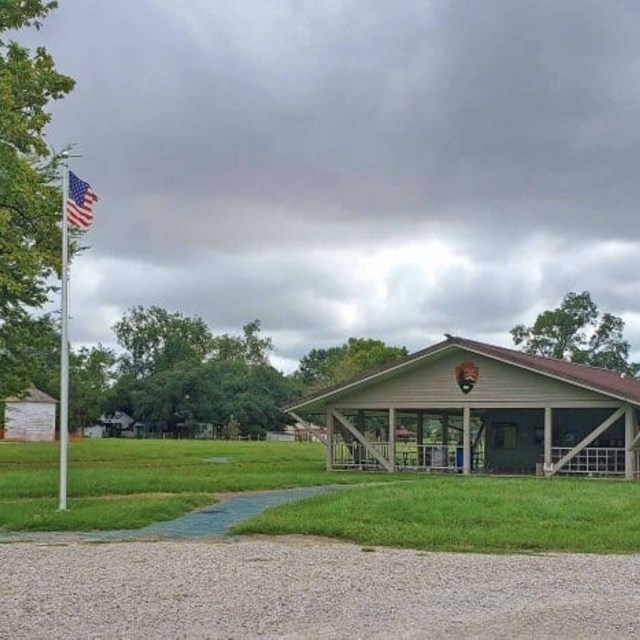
(91,373)
(316,369)
(210,392)
(579,332)
(91,370)
(156,340)
(30,199)
(31,353)
(250,347)
(325,367)
(175,372)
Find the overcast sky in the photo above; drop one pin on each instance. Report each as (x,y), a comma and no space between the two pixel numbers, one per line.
(337,168)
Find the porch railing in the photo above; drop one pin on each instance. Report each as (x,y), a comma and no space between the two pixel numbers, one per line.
(408,456)
(592,460)
(354,455)
(424,456)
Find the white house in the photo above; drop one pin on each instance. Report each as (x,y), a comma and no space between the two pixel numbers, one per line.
(94,431)
(119,424)
(30,418)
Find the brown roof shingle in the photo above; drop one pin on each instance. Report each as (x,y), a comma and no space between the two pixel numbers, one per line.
(603,380)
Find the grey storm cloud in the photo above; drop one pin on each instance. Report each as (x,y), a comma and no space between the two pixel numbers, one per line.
(461,112)
(251,155)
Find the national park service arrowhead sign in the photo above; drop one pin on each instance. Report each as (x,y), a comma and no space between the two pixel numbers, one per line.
(467,375)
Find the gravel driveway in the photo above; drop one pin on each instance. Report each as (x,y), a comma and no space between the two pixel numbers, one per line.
(296,587)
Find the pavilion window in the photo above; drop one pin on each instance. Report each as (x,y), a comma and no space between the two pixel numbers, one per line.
(504,436)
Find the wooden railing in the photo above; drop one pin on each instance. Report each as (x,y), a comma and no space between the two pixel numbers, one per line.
(409,455)
(592,460)
(355,455)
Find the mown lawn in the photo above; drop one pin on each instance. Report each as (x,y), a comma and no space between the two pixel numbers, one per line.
(120,484)
(449,513)
(153,479)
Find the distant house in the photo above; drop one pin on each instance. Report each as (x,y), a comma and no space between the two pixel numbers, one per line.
(31,418)
(95,431)
(117,425)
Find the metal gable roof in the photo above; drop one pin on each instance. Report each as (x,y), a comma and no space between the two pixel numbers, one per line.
(604,381)
(601,380)
(33,395)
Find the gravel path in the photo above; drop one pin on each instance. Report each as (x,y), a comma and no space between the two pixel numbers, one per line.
(294,587)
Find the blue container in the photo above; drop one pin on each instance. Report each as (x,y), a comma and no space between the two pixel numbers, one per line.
(459,458)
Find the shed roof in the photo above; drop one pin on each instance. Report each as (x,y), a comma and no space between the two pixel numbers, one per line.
(33,395)
(603,381)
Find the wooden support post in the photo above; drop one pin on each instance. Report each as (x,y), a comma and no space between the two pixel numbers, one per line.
(420,427)
(420,438)
(466,441)
(636,442)
(330,439)
(548,440)
(629,436)
(392,438)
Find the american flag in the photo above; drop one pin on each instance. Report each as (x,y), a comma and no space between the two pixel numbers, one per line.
(80,202)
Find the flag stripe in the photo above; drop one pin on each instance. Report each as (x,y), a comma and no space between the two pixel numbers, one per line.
(80,202)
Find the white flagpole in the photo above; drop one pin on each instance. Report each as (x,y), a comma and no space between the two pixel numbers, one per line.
(64,346)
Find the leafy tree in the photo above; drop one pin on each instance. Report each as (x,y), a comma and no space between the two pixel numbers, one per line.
(250,347)
(577,331)
(91,373)
(30,200)
(174,372)
(29,348)
(209,392)
(232,428)
(90,370)
(363,354)
(156,340)
(317,367)
(324,367)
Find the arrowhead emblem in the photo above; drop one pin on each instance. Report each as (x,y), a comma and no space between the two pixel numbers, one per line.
(467,375)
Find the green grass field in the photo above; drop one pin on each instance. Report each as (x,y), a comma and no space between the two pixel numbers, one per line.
(120,484)
(153,480)
(484,514)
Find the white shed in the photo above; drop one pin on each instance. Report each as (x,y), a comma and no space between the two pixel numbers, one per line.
(94,431)
(30,418)
(277,436)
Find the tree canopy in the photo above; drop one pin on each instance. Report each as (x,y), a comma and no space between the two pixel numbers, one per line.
(174,372)
(30,198)
(325,367)
(155,340)
(91,370)
(579,332)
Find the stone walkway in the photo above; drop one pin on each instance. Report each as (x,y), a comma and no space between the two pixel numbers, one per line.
(210,522)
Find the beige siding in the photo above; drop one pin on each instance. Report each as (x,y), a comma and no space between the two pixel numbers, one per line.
(30,421)
(434,384)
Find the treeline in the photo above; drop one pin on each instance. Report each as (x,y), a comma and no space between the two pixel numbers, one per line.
(172,373)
